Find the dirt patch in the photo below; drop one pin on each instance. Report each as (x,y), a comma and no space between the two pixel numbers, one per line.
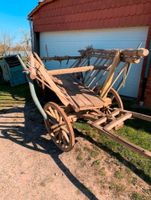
(32,167)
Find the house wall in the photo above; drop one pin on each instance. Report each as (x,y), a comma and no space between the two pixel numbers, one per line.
(62,15)
(67,15)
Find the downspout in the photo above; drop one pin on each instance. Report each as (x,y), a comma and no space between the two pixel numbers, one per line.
(31,33)
(148,62)
(145,70)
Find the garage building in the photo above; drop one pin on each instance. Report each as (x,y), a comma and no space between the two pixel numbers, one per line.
(65,26)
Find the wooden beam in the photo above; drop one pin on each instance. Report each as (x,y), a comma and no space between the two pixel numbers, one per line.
(132,52)
(118,121)
(110,76)
(140,116)
(61,58)
(74,70)
(122,141)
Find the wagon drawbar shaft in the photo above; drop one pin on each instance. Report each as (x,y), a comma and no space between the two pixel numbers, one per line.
(107,130)
(88,90)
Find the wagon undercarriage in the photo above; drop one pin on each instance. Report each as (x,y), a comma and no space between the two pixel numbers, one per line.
(86,92)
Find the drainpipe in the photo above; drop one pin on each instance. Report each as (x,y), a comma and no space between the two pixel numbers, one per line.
(148,62)
(31,34)
(146,75)
(145,70)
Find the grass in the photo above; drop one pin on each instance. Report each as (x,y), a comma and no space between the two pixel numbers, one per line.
(137,196)
(136,131)
(134,180)
(117,188)
(94,154)
(79,156)
(96,163)
(102,172)
(9,95)
(118,175)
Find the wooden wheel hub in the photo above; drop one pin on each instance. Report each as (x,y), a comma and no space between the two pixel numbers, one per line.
(59,127)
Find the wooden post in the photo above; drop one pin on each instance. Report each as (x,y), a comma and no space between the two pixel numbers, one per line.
(109,79)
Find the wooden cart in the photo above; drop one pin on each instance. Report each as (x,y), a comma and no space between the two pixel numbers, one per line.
(85,91)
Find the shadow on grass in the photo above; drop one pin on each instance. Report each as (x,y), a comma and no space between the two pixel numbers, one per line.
(17,92)
(118,156)
(139,125)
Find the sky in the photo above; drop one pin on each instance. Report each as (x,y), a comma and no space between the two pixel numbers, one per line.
(13,17)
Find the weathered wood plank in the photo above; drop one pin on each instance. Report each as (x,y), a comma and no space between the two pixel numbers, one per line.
(82,97)
(109,79)
(120,140)
(74,70)
(140,116)
(117,121)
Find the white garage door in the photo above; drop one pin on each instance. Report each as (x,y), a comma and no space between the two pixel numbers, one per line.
(69,42)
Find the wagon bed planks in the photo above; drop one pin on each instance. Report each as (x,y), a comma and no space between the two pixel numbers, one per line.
(82,97)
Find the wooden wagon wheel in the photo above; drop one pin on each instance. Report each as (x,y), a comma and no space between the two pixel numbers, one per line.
(116,99)
(116,102)
(59,127)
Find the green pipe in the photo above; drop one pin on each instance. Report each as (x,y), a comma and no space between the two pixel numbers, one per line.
(32,90)
(22,63)
(35,98)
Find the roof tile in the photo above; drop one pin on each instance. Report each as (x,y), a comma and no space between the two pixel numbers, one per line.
(68,14)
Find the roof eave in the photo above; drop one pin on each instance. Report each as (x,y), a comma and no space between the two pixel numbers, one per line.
(38,7)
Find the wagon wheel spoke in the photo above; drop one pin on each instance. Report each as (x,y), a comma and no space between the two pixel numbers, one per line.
(52,119)
(59,127)
(65,136)
(51,112)
(116,103)
(60,120)
(56,134)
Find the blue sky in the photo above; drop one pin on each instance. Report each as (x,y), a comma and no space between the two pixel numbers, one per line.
(13,16)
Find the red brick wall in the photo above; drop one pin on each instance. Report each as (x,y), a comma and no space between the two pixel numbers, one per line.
(91,14)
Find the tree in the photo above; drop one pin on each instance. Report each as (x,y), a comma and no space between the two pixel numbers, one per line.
(26,40)
(6,43)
